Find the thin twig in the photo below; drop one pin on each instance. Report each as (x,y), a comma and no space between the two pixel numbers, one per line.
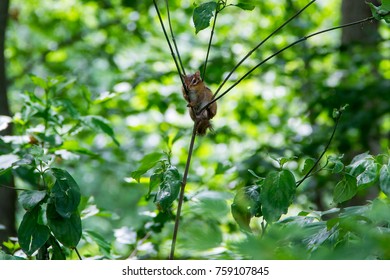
(169,44)
(182,189)
(261,43)
(210,41)
(323,152)
(280,51)
(174,40)
(78,254)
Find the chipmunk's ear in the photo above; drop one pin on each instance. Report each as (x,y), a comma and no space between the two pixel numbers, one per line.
(197,75)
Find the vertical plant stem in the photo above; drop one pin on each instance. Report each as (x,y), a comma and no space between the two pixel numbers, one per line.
(182,189)
(174,40)
(210,41)
(78,254)
(169,44)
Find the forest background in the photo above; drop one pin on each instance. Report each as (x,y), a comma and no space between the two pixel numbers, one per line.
(90,87)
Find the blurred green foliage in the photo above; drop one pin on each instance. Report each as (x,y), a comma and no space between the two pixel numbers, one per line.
(117,69)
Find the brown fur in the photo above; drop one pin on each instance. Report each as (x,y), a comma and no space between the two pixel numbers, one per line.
(197,96)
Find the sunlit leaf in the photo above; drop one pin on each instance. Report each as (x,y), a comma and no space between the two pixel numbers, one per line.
(147,163)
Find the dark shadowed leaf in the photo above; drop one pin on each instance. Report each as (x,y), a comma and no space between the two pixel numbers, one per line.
(65,230)
(169,189)
(32,235)
(66,193)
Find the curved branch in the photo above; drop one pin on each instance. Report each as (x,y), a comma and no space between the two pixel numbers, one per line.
(324,151)
(169,44)
(280,51)
(260,44)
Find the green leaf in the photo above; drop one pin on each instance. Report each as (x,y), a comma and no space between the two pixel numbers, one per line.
(65,230)
(155,180)
(169,189)
(364,169)
(31,234)
(30,199)
(386,5)
(384,179)
(381,12)
(57,252)
(147,163)
(277,194)
(345,189)
(39,81)
(203,14)
(66,193)
(309,163)
(245,5)
(104,246)
(100,123)
(6,257)
(6,161)
(246,204)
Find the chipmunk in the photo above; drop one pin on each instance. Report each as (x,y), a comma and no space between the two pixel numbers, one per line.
(197,96)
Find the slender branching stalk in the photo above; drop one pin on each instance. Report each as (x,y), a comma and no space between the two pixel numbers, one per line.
(260,44)
(174,40)
(217,10)
(182,189)
(323,152)
(175,59)
(78,254)
(280,51)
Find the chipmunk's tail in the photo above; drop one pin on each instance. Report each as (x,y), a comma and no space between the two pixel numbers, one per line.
(203,125)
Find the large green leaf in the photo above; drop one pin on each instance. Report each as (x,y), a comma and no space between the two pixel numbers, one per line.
(29,199)
(203,14)
(32,235)
(65,230)
(169,189)
(66,193)
(345,189)
(277,194)
(384,179)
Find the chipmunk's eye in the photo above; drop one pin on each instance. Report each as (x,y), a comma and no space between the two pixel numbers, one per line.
(194,81)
